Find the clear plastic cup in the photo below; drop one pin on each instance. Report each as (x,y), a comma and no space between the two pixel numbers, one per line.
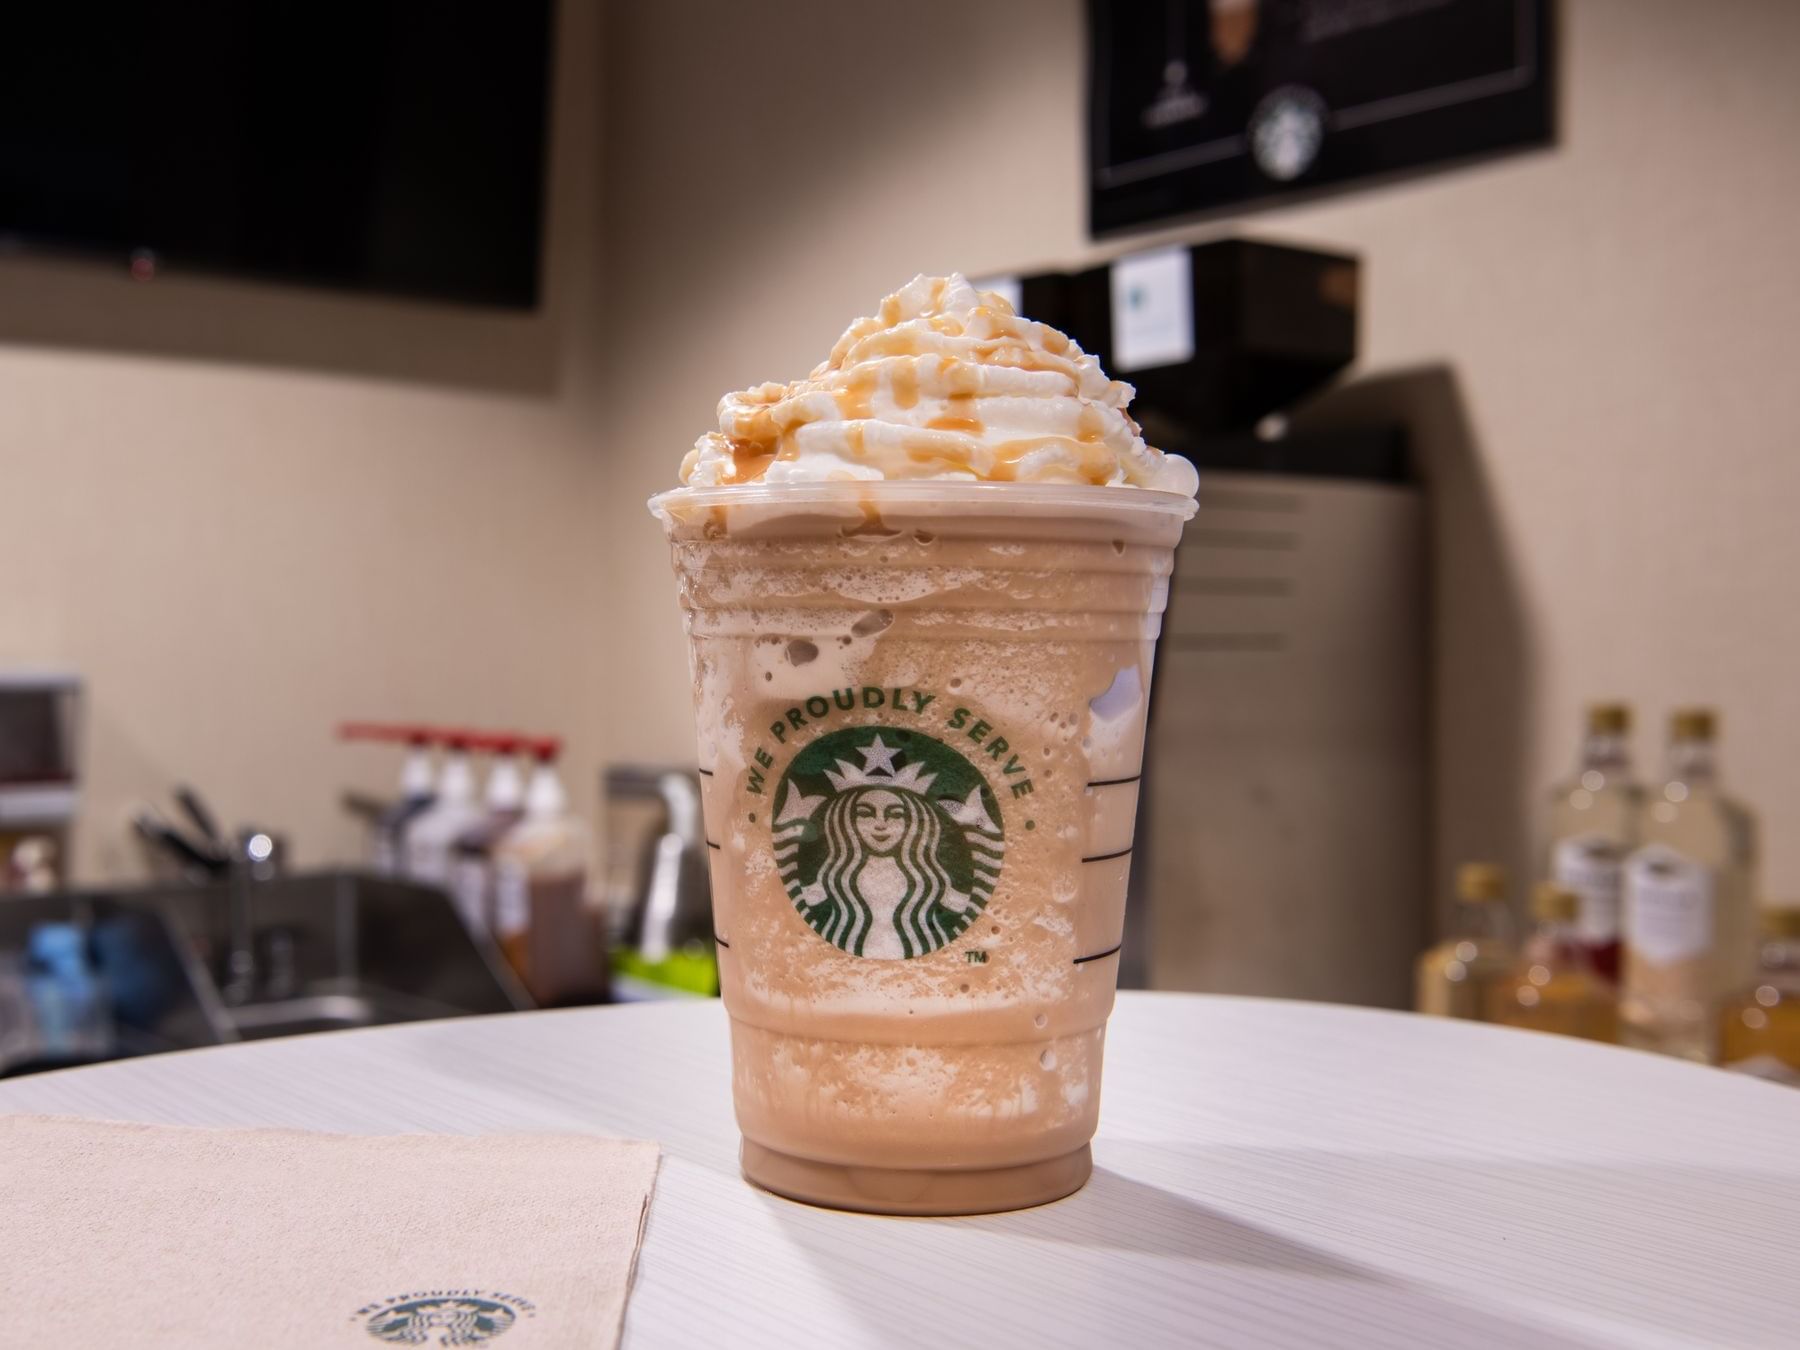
(920,710)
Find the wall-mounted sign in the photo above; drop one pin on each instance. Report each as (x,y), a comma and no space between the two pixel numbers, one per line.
(1200,104)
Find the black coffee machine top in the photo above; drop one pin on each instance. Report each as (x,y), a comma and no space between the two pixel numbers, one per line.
(1217,337)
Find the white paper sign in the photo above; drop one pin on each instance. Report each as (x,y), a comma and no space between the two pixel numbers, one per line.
(1152,310)
(1668,906)
(1589,866)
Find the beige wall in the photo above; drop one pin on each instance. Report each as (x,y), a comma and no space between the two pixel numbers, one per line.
(1617,313)
(245,512)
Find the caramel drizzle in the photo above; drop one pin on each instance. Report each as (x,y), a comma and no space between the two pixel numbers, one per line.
(905,382)
(996,337)
(1093,464)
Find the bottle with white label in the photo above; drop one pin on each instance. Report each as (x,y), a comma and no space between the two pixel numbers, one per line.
(471,856)
(1689,910)
(1595,820)
(541,917)
(418,790)
(427,848)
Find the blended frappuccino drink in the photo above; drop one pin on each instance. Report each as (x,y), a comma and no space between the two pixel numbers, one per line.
(923,588)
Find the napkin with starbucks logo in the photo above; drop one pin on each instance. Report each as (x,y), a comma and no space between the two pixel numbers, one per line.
(153,1235)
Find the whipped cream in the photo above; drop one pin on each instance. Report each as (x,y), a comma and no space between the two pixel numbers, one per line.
(945,382)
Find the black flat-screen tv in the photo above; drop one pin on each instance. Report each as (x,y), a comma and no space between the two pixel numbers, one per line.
(393,146)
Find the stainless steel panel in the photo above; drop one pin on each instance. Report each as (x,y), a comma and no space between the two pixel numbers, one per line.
(1285,836)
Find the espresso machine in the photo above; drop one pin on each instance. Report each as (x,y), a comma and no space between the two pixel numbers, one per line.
(1282,836)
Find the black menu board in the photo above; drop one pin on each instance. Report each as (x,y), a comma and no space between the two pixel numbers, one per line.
(1200,104)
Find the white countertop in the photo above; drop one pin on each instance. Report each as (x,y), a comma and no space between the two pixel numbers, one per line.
(1267,1174)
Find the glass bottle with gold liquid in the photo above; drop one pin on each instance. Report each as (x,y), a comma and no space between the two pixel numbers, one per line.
(1555,986)
(1455,977)
(1594,823)
(1689,915)
(1759,1029)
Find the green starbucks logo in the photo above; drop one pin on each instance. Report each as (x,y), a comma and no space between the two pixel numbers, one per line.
(889,842)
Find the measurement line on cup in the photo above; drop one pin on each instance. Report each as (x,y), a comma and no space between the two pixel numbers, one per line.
(710,844)
(722,942)
(1106,857)
(704,773)
(1099,956)
(1115,782)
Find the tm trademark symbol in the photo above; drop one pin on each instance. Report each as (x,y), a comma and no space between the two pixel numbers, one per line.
(975,958)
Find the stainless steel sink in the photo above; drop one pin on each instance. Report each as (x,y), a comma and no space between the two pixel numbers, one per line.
(334,950)
(331,1012)
(295,1016)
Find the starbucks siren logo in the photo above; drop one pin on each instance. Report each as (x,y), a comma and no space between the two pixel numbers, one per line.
(889,842)
(448,1318)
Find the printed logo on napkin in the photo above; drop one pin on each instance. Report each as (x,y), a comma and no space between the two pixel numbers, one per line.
(889,840)
(446,1317)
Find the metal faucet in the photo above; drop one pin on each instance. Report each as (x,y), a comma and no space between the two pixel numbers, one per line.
(258,857)
(671,904)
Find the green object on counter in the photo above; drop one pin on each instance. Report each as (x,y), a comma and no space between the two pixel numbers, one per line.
(692,970)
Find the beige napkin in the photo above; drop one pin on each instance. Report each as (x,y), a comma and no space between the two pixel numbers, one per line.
(149,1235)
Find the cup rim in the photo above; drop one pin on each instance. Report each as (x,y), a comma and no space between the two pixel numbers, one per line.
(925,492)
